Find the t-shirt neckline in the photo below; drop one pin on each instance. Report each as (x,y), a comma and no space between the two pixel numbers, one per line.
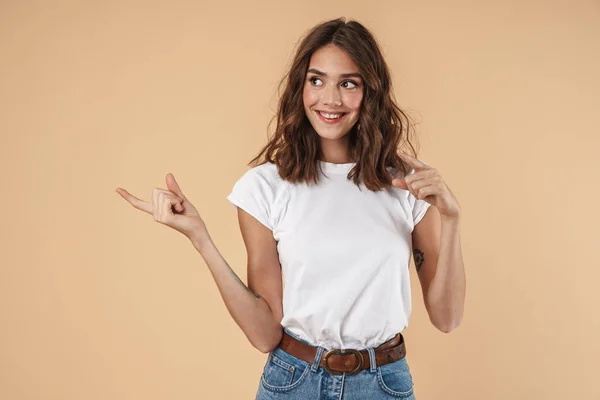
(332,167)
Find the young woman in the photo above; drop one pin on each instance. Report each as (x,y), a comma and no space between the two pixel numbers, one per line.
(334,210)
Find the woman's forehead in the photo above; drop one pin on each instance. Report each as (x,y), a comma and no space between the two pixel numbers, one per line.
(331,60)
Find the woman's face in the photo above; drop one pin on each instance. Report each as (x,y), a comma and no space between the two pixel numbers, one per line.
(333,85)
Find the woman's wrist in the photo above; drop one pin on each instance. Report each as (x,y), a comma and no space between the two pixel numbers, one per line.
(200,238)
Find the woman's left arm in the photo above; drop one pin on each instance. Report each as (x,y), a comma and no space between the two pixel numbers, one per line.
(436,245)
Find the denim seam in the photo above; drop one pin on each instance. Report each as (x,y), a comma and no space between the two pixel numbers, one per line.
(390,391)
(279,362)
(284,388)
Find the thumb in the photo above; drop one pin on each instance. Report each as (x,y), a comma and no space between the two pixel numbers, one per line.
(178,207)
(400,183)
(173,186)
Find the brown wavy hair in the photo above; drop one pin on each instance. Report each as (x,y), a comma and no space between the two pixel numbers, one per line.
(381,129)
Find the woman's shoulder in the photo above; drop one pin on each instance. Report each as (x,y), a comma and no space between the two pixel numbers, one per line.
(265,173)
(266,167)
(267,170)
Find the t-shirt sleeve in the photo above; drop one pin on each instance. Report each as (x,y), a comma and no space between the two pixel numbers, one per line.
(254,194)
(419,209)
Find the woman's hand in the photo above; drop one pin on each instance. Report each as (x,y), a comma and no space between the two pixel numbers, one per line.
(171,208)
(426,184)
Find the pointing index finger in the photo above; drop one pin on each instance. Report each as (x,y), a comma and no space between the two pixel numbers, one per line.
(134,201)
(412,161)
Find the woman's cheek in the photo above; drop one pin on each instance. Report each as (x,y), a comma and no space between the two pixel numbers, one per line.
(353,100)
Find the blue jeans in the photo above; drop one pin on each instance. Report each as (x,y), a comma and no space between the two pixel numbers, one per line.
(287,377)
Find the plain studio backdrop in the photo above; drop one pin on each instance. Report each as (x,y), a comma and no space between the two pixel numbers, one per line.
(99,301)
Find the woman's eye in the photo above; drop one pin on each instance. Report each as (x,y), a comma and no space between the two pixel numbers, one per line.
(312,80)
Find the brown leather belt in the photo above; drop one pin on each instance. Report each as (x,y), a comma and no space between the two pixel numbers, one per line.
(349,361)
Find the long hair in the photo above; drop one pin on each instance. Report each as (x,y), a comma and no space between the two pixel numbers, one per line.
(373,140)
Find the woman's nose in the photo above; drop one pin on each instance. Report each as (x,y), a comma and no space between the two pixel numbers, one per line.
(332,97)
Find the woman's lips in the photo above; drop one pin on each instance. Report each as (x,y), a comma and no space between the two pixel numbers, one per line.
(331,121)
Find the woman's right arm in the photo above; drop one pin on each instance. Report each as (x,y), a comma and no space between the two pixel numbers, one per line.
(256,308)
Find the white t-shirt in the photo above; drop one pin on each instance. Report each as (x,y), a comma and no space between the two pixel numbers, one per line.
(344,253)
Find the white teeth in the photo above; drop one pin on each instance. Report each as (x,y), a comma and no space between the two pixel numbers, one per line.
(330,116)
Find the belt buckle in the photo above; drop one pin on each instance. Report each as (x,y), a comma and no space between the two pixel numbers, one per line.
(331,352)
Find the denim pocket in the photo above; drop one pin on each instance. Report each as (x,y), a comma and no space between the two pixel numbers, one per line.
(283,372)
(395,378)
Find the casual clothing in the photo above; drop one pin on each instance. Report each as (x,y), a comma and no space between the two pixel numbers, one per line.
(344,253)
(290,378)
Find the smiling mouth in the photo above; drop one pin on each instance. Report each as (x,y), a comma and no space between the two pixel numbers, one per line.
(338,115)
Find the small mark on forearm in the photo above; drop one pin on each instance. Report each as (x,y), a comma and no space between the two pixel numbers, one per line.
(419,257)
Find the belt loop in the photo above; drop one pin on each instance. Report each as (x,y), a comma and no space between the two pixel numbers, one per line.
(372,359)
(315,364)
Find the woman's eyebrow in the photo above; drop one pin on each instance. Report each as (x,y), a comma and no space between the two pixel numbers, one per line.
(352,75)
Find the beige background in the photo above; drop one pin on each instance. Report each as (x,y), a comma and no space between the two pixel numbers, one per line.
(99,301)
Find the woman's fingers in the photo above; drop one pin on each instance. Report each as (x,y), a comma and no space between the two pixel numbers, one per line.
(162,202)
(134,201)
(157,207)
(174,186)
(169,209)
